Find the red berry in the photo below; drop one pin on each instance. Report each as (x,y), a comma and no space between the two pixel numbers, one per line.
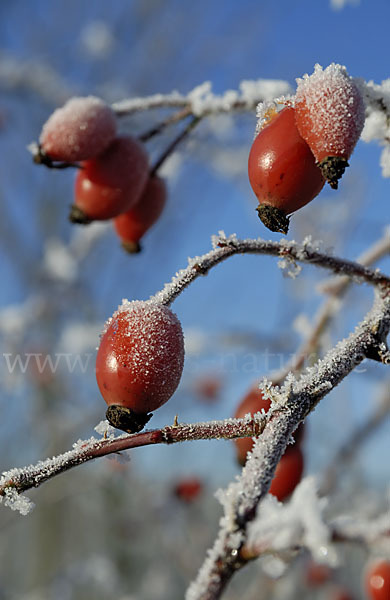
(139,361)
(317,574)
(188,489)
(329,112)
(133,224)
(377,580)
(81,129)
(110,183)
(208,387)
(252,403)
(340,593)
(288,473)
(282,171)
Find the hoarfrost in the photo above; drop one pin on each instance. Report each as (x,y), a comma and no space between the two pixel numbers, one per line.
(105,429)
(299,522)
(79,130)
(291,268)
(16,501)
(330,108)
(203,101)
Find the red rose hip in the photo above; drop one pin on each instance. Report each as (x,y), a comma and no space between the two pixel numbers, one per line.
(111,183)
(288,473)
(79,130)
(134,223)
(282,171)
(329,113)
(377,580)
(139,362)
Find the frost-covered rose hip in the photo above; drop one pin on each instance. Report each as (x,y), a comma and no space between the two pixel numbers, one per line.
(139,362)
(282,171)
(111,183)
(329,112)
(134,223)
(79,130)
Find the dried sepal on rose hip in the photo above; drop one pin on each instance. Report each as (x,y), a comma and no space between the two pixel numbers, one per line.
(132,225)
(111,183)
(139,362)
(282,170)
(79,130)
(329,113)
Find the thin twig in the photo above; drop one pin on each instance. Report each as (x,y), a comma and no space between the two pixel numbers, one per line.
(381,248)
(337,287)
(225,247)
(171,120)
(34,475)
(171,147)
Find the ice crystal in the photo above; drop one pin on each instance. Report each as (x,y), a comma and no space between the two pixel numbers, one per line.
(16,501)
(299,522)
(105,429)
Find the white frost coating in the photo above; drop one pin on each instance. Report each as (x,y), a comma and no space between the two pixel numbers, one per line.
(329,111)
(79,130)
(106,430)
(266,88)
(290,267)
(38,472)
(300,522)
(266,109)
(354,526)
(377,124)
(17,502)
(203,101)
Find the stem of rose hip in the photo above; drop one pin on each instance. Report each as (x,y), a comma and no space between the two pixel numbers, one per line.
(171,147)
(157,129)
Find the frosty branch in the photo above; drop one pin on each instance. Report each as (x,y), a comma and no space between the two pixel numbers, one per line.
(292,403)
(224,247)
(336,287)
(26,478)
(287,413)
(202,101)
